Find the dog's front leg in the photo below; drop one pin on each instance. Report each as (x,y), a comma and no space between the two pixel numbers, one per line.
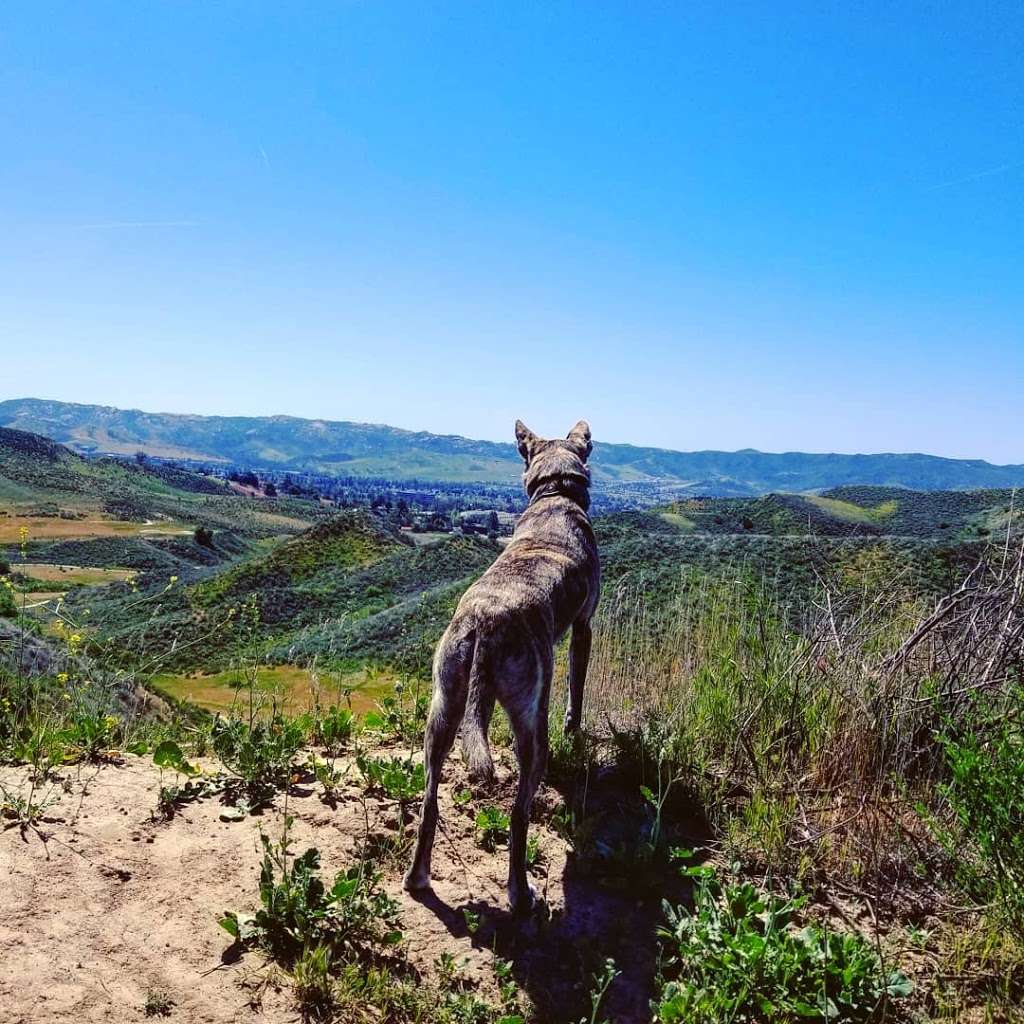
(579,658)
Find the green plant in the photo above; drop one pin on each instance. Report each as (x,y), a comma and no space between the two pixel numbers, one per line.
(572,826)
(259,752)
(401,717)
(397,778)
(334,727)
(157,1004)
(507,988)
(313,985)
(602,982)
(25,810)
(533,855)
(8,603)
(651,844)
(168,755)
(492,825)
(738,957)
(92,734)
(985,791)
(351,919)
(329,777)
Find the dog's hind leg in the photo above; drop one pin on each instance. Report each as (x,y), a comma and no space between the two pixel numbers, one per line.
(579,658)
(531,733)
(446,710)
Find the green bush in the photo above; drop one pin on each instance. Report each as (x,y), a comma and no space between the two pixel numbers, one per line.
(8,605)
(492,827)
(738,957)
(299,912)
(334,727)
(401,717)
(986,793)
(260,752)
(398,779)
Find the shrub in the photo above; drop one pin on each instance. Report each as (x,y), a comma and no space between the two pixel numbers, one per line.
(334,728)
(350,920)
(737,957)
(492,825)
(398,779)
(402,716)
(259,752)
(986,793)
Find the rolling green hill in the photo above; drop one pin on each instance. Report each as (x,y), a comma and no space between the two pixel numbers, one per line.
(352,589)
(326,593)
(359,449)
(41,480)
(854,511)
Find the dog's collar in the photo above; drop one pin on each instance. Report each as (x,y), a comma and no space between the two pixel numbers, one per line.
(569,486)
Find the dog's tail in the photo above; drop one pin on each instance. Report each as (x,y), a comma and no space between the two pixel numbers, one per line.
(476,750)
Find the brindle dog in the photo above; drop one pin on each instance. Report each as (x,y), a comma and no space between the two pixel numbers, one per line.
(500,643)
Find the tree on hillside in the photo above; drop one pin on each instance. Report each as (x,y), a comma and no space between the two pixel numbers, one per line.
(246,479)
(204,536)
(269,489)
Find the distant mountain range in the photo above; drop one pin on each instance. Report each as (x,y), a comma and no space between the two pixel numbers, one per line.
(288,443)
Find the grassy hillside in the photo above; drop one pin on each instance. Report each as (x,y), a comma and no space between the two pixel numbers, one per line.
(56,493)
(352,589)
(315,595)
(854,511)
(360,449)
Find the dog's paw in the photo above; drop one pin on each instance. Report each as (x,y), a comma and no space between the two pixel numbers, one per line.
(522,901)
(416,881)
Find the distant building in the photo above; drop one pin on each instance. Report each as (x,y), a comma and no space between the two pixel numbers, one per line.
(482,521)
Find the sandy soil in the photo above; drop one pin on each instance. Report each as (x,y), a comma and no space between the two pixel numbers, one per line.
(103,905)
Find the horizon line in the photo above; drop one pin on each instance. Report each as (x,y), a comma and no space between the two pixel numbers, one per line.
(464,437)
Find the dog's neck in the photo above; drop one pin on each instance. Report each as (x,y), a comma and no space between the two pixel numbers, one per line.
(569,486)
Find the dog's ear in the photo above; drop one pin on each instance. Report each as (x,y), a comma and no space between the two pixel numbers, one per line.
(580,438)
(526,439)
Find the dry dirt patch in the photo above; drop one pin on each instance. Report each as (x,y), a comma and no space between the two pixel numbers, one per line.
(104,905)
(55,528)
(72,575)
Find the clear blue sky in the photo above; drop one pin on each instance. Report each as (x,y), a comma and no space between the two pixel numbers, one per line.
(782,226)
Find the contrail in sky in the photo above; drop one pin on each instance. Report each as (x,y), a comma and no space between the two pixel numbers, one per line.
(139,224)
(990,173)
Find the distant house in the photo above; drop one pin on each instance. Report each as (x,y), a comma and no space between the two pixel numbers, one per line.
(482,521)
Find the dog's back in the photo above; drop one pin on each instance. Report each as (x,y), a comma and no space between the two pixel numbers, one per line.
(509,621)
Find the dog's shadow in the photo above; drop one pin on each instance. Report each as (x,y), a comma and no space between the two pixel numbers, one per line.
(611,909)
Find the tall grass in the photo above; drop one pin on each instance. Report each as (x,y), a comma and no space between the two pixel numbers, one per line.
(810,732)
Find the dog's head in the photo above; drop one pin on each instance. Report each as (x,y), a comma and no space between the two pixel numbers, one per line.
(552,461)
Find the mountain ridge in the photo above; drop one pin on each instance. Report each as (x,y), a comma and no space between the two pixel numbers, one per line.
(337,447)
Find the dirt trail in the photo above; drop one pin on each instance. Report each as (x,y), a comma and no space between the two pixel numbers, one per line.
(103,905)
